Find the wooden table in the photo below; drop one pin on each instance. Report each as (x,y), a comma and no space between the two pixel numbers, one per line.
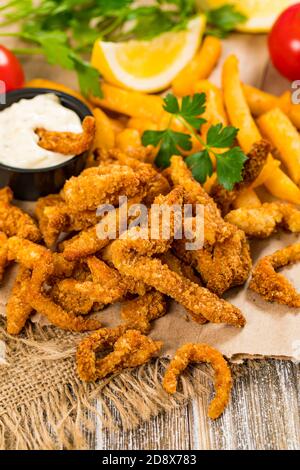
(263,415)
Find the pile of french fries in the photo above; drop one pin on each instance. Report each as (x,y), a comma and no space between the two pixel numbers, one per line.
(255,113)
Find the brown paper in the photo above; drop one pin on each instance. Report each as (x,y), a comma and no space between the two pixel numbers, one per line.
(271,329)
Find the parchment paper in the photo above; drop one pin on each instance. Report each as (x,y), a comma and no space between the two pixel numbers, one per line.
(271,329)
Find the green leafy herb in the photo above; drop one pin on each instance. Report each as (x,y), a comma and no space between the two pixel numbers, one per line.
(223,20)
(229,163)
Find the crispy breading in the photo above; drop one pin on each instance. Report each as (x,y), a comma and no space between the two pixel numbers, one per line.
(224,265)
(64,293)
(139,312)
(18,309)
(97,186)
(42,303)
(201,353)
(3,254)
(69,143)
(272,286)
(13,221)
(261,222)
(55,216)
(130,349)
(257,158)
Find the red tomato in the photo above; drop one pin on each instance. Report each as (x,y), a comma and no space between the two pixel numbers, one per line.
(284,43)
(11,71)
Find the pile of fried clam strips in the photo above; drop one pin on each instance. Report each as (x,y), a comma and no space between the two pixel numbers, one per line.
(67,281)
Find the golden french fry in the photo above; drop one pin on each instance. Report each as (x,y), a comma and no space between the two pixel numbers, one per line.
(105,136)
(236,105)
(247,198)
(200,66)
(118,125)
(128,140)
(266,172)
(211,180)
(130,103)
(259,101)
(279,130)
(142,125)
(43,83)
(281,186)
(215,110)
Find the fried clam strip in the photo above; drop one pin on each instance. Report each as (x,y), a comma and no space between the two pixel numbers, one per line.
(18,310)
(224,265)
(272,286)
(261,222)
(13,221)
(69,143)
(3,254)
(138,313)
(131,256)
(185,270)
(89,241)
(201,353)
(215,226)
(104,185)
(130,349)
(107,285)
(55,216)
(252,169)
(44,265)
(225,260)
(64,293)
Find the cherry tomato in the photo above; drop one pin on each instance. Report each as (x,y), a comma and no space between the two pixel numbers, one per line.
(11,71)
(284,43)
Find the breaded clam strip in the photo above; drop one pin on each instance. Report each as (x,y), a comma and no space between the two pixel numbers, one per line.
(69,143)
(13,221)
(139,312)
(3,254)
(201,353)
(130,349)
(18,308)
(272,286)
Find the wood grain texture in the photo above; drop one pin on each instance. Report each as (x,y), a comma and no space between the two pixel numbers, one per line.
(263,415)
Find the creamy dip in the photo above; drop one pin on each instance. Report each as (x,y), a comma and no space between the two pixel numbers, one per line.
(18,141)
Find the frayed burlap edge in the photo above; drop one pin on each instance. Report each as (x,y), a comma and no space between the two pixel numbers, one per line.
(43,404)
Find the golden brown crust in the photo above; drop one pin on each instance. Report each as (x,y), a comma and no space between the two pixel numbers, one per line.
(272,286)
(3,254)
(69,143)
(18,309)
(130,349)
(201,353)
(138,313)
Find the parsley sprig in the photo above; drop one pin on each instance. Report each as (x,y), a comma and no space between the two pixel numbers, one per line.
(64,31)
(229,164)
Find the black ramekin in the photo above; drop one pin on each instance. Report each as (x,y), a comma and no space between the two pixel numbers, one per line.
(30,184)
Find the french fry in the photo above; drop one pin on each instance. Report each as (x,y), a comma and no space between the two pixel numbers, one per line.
(294,115)
(279,130)
(43,83)
(247,198)
(215,110)
(266,172)
(131,103)
(199,68)
(281,186)
(236,105)
(259,101)
(118,125)
(240,116)
(211,180)
(105,136)
(142,125)
(128,140)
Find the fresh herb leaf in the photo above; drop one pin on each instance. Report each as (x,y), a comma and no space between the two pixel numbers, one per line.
(171,104)
(190,110)
(223,20)
(171,143)
(229,167)
(88,78)
(221,137)
(201,165)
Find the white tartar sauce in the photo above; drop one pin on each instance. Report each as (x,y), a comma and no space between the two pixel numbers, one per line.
(18,141)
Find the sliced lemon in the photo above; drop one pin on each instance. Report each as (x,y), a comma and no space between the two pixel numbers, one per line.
(148,66)
(261,14)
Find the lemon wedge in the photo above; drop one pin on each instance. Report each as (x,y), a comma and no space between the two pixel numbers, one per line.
(261,14)
(148,66)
